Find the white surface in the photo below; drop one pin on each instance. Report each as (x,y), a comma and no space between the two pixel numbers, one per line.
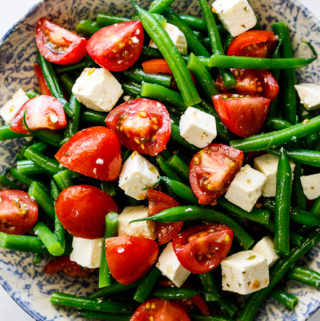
(11,11)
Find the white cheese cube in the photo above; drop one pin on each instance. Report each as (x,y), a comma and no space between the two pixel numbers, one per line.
(244,272)
(265,247)
(246,188)
(97,89)
(86,252)
(197,127)
(11,107)
(309,95)
(177,37)
(311,186)
(140,229)
(170,266)
(237,16)
(268,165)
(137,174)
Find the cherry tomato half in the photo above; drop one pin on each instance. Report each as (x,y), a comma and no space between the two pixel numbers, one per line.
(129,257)
(211,171)
(243,115)
(81,209)
(59,45)
(44,89)
(200,249)
(117,47)
(141,124)
(18,212)
(93,152)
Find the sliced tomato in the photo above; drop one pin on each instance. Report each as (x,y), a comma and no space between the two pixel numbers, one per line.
(93,152)
(129,257)
(159,310)
(81,209)
(18,212)
(253,43)
(211,171)
(141,124)
(117,47)
(243,115)
(252,82)
(158,202)
(200,249)
(59,45)
(44,89)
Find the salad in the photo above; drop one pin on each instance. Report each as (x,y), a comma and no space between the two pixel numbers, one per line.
(169,154)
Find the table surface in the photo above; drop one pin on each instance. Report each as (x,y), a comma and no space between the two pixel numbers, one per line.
(15,9)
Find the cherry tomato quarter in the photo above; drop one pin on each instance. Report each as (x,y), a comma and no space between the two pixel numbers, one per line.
(44,89)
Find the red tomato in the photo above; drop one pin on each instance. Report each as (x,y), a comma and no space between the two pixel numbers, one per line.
(81,209)
(141,124)
(42,112)
(159,310)
(158,202)
(130,258)
(44,89)
(243,115)
(94,152)
(59,45)
(211,171)
(200,249)
(18,212)
(253,43)
(252,82)
(117,47)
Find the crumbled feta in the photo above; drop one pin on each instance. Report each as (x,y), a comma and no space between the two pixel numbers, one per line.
(309,95)
(266,248)
(99,161)
(311,186)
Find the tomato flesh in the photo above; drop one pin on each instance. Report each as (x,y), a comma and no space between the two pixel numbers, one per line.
(18,212)
(44,89)
(200,249)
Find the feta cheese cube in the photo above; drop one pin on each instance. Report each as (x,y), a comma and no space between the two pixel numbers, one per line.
(97,89)
(197,127)
(309,95)
(137,174)
(311,186)
(246,188)
(268,165)
(244,272)
(177,37)
(265,247)
(237,16)
(11,107)
(140,229)
(86,252)
(170,266)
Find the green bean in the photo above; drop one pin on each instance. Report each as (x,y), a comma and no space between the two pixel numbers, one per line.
(211,318)
(104,316)
(27,167)
(174,293)
(113,289)
(64,178)
(104,19)
(315,209)
(6,182)
(54,189)
(48,136)
(108,187)
(304,217)
(288,300)
(209,285)
(166,169)
(73,123)
(305,275)
(67,82)
(274,123)
(179,166)
(20,177)
(31,94)
(158,6)
(131,88)
(7,133)
(194,22)
(227,42)
(298,199)
(175,135)
(59,233)
(150,53)
(87,27)
(40,147)
(79,66)
(93,117)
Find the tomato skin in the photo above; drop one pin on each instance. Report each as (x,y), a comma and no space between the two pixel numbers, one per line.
(81,209)
(117,47)
(143,125)
(200,249)
(159,310)
(244,116)
(18,212)
(44,89)
(49,36)
(93,152)
(129,257)
(215,165)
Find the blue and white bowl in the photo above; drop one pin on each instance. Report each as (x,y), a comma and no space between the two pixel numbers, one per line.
(23,280)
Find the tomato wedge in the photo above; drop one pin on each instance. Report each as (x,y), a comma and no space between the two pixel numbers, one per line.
(253,43)
(59,45)
(81,209)
(243,115)
(129,257)
(117,47)
(158,202)
(159,310)
(93,152)
(143,125)
(18,212)
(44,89)
(211,171)
(200,249)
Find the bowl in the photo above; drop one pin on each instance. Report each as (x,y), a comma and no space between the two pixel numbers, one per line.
(23,280)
